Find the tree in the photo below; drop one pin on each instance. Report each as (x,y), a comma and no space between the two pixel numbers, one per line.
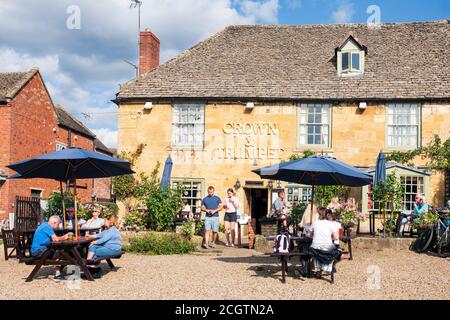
(389,194)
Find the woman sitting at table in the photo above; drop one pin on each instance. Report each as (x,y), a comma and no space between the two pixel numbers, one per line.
(323,232)
(95,221)
(107,243)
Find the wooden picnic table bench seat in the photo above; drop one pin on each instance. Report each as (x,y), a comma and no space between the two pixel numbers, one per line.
(107,258)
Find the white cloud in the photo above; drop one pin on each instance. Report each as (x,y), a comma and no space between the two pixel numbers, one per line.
(344,12)
(265,11)
(82,68)
(107,136)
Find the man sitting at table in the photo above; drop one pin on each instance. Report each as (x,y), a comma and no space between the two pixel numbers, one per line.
(107,243)
(70,219)
(45,234)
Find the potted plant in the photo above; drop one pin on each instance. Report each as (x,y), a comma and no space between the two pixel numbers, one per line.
(348,216)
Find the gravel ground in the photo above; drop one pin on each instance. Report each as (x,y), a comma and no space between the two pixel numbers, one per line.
(226,273)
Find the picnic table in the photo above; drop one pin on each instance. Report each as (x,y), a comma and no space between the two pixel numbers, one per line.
(63,253)
(301,250)
(81,230)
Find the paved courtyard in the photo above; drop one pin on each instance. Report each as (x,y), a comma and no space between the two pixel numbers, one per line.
(227,273)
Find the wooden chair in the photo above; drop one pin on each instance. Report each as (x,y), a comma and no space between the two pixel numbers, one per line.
(9,242)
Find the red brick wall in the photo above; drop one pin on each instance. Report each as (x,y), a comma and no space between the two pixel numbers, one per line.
(5,122)
(31,118)
(32,121)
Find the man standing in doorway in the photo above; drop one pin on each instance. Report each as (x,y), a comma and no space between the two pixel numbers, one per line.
(279,207)
(211,205)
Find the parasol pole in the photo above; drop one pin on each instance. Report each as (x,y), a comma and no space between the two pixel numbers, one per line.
(312,197)
(63,205)
(75,205)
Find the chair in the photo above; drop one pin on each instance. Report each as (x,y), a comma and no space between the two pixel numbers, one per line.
(348,241)
(9,242)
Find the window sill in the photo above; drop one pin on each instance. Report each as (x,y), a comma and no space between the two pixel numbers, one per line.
(351,74)
(313,148)
(187,148)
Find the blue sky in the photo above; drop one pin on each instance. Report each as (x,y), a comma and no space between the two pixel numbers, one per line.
(83,67)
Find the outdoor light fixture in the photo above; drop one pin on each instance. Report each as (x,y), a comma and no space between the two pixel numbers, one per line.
(270,184)
(279,184)
(237,185)
(148,106)
(249,106)
(362,105)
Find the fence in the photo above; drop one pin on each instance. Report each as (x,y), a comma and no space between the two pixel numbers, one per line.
(27,213)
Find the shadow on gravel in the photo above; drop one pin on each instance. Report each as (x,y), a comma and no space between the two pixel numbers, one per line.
(267,266)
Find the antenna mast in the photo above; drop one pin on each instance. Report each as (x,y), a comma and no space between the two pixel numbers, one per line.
(138,4)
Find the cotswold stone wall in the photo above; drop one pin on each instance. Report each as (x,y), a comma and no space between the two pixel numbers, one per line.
(238,141)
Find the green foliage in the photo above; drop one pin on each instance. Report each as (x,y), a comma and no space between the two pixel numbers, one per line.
(187,229)
(425,219)
(222,228)
(437,152)
(199,227)
(155,243)
(163,205)
(55,204)
(324,194)
(136,220)
(305,154)
(296,215)
(125,186)
(389,194)
(107,208)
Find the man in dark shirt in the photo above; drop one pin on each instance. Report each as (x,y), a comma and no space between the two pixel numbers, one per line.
(211,205)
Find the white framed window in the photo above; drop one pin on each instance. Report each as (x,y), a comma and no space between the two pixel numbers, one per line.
(192,192)
(314,125)
(412,185)
(403,125)
(188,129)
(60,146)
(350,58)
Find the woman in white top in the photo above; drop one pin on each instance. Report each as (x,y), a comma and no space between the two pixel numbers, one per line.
(323,233)
(95,221)
(231,205)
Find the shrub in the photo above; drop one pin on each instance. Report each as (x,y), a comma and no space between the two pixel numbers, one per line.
(106,207)
(199,227)
(222,228)
(187,230)
(55,204)
(155,243)
(136,219)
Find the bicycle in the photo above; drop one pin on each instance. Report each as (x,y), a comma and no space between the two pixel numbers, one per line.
(442,235)
(436,237)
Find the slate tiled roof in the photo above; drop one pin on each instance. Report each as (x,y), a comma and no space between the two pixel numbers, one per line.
(100,147)
(65,119)
(403,61)
(12,82)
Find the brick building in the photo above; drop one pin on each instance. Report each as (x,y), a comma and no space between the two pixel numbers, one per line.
(251,96)
(30,125)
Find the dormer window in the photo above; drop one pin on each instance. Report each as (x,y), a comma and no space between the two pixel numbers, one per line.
(350,58)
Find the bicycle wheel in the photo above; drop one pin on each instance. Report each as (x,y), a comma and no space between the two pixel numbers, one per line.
(424,240)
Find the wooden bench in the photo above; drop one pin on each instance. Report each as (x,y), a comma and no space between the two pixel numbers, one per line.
(284,257)
(108,260)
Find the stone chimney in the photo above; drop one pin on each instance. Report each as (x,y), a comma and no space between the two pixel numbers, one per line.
(148,51)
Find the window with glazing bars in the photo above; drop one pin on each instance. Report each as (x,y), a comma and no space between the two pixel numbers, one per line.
(411,187)
(314,124)
(188,124)
(403,124)
(192,192)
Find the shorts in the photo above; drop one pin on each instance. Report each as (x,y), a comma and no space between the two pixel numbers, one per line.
(230,217)
(212,223)
(39,253)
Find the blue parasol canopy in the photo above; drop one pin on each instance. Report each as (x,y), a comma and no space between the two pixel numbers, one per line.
(380,169)
(165,180)
(71,163)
